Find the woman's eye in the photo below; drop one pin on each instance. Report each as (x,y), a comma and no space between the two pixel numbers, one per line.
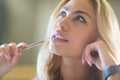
(80,19)
(62,14)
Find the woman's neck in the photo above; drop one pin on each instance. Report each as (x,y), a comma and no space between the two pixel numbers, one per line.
(72,69)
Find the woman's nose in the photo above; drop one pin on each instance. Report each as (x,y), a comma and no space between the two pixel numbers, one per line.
(63,24)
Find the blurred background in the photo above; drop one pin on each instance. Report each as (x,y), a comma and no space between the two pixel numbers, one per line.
(26,21)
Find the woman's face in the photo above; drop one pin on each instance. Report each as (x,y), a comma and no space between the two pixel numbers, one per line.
(75,27)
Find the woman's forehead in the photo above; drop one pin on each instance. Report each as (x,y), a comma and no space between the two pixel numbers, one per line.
(79,3)
(83,5)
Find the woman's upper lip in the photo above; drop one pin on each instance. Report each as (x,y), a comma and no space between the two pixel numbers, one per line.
(59,35)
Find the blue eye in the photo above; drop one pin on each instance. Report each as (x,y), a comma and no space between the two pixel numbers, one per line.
(80,19)
(62,14)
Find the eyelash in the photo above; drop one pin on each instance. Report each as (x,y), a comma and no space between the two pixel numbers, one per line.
(78,18)
(62,14)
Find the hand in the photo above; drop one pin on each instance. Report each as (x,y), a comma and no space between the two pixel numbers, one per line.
(104,58)
(9,56)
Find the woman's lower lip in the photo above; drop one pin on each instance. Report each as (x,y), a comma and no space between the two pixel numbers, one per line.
(59,40)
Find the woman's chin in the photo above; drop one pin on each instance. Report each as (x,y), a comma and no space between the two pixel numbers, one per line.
(54,51)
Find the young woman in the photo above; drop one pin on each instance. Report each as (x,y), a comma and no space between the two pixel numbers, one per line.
(83,43)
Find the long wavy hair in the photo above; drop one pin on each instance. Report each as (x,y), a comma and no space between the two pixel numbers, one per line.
(48,67)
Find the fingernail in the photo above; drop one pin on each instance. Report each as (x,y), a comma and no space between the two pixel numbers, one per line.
(22,45)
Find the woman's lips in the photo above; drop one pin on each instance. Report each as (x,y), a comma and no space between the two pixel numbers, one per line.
(59,37)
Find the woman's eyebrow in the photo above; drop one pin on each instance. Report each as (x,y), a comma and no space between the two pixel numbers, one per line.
(77,11)
(65,8)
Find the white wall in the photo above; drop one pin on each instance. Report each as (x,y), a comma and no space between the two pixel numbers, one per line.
(116,6)
(27,20)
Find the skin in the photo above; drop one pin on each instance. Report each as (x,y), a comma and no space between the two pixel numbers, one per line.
(81,38)
(77,23)
(9,56)
(77,26)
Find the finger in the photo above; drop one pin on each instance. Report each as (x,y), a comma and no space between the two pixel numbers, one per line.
(89,53)
(88,57)
(88,62)
(83,57)
(21,46)
(5,49)
(1,51)
(15,59)
(15,51)
(13,48)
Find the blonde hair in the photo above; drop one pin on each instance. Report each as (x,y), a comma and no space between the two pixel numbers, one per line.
(48,67)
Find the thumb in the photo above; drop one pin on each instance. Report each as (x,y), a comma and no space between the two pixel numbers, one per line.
(15,59)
